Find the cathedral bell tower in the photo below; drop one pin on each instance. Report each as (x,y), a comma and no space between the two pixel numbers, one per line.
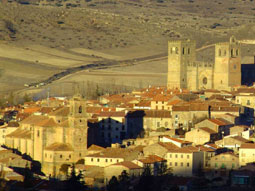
(227,68)
(181,54)
(78,125)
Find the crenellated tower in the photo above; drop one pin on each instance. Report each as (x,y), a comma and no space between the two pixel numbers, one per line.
(181,53)
(227,67)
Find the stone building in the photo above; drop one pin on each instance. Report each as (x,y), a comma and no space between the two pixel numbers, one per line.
(228,161)
(185,72)
(55,139)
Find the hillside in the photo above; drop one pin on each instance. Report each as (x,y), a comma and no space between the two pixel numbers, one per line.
(41,38)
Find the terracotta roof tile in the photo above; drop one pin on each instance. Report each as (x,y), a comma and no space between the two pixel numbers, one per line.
(157,114)
(61,111)
(208,130)
(96,148)
(247,146)
(128,164)
(59,147)
(152,159)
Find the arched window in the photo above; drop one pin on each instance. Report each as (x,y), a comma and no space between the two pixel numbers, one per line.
(232,52)
(237,52)
(219,52)
(80,109)
(183,50)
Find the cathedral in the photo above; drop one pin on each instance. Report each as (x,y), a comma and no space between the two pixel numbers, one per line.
(61,137)
(185,72)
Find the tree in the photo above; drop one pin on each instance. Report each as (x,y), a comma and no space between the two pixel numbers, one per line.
(28,177)
(76,182)
(27,98)
(124,181)
(113,184)
(10,99)
(64,168)
(163,170)
(146,182)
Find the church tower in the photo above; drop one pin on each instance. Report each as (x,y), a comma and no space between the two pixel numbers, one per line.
(227,67)
(78,126)
(181,53)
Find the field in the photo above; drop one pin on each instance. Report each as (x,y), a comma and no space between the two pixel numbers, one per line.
(41,39)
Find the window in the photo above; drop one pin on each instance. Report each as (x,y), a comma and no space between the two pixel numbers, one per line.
(117,160)
(70,156)
(225,52)
(219,52)
(170,155)
(183,50)
(45,155)
(158,124)
(91,159)
(106,160)
(98,160)
(181,163)
(232,52)
(181,155)
(188,50)
(187,164)
(80,109)
(187,156)
(248,102)
(237,52)
(38,133)
(111,160)
(176,155)
(117,128)
(176,50)
(204,80)
(170,164)
(60,156)
(176,164)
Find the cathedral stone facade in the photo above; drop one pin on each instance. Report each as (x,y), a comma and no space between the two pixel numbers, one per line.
(185,72)
(60,137)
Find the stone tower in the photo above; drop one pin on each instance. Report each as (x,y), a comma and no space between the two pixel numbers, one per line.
(181,53)
(77,133)
(227,67)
